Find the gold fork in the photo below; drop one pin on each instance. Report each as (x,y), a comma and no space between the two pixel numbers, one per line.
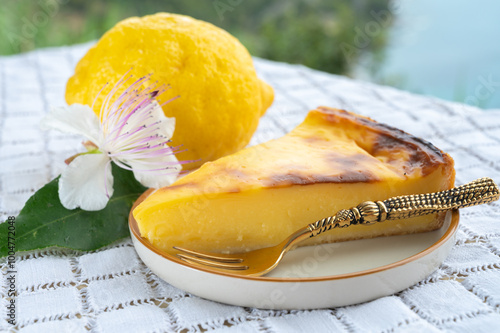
(260,262)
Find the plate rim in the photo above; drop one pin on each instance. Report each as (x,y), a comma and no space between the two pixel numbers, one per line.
(134,230)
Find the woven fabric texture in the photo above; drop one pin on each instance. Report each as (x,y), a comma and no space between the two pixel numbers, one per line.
(111,290)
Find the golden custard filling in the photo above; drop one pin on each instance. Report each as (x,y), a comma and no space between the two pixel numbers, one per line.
(259,195)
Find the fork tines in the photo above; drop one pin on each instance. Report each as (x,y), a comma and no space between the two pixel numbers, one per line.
(210,259)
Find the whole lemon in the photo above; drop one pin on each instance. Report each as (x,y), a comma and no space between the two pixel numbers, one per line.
(221,97)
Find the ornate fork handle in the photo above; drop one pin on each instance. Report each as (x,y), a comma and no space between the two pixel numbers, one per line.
(477,192)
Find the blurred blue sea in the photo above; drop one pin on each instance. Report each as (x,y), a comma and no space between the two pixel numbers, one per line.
(449,49)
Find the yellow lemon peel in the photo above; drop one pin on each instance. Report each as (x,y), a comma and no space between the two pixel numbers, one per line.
(221,97)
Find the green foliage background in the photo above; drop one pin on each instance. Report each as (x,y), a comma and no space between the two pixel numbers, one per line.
(307,32)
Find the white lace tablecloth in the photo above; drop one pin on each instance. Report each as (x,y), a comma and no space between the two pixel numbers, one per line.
(111,290)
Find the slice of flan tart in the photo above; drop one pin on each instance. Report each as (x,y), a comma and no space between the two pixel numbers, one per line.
(258,196)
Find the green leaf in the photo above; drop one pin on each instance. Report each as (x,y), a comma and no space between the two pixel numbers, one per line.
(44,222)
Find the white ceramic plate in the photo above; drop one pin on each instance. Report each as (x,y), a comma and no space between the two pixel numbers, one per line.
(320,276)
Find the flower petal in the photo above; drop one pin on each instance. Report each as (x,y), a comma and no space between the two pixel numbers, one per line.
(156,179)
(86,183)
(148,120)
(73,119)
(167,125)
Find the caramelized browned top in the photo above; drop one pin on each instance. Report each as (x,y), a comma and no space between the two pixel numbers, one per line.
(330,146)
(385,140)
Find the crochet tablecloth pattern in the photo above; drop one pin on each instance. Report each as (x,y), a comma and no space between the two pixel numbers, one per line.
(111,290)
